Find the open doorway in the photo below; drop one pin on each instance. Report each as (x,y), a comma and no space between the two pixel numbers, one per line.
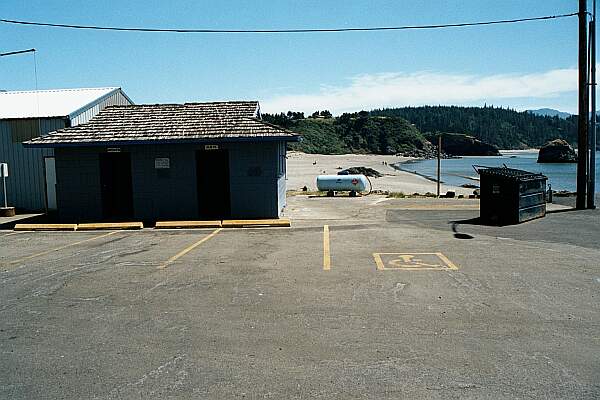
(115,181)
(50,174)
(212,171)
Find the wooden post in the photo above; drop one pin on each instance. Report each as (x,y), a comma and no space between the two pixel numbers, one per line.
(592,150)
(439,169)
(583,110)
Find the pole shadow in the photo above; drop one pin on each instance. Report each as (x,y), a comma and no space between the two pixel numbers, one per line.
(459,235)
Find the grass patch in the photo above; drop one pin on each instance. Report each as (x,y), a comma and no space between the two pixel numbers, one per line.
(306,193)
(396,195)
(400,195)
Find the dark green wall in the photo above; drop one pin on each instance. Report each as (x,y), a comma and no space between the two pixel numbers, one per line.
(172,194)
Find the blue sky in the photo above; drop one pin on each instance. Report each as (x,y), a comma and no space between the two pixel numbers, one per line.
(526,65)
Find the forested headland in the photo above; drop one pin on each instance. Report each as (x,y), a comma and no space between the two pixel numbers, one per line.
(400,130)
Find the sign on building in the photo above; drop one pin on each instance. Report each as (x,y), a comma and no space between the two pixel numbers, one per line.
(162,163)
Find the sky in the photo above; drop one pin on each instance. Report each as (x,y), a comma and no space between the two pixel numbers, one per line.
(522,66)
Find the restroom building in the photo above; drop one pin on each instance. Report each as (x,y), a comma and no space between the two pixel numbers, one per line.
(170,162)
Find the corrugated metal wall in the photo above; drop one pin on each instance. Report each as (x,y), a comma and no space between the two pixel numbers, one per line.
(116,99)
(25,185)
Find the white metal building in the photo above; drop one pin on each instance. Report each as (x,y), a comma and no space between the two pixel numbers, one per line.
(24,115)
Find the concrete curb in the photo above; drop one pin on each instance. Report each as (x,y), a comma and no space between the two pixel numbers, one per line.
(245,223)
(242,223)
(45,227)
(187,224)
(110,225)
(235,223)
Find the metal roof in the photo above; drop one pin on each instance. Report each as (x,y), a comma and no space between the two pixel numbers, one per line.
(151,123)
(50,103)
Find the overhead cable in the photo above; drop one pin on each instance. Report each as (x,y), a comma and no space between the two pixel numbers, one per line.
(308,30)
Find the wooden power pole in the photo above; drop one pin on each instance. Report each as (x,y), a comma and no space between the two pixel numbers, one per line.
(439,167)
(591,200)
(583,109)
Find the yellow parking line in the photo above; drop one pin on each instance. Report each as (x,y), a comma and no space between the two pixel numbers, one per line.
(326,252)
(190,248)
(12,233)
(378,261)
(61,248)
(445,259)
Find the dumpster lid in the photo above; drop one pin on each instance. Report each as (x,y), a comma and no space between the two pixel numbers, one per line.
(506,172)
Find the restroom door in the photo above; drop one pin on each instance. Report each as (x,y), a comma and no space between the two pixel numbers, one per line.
(116,187)
(212,172)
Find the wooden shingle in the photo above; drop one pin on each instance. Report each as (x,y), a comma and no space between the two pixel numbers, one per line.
(167,123)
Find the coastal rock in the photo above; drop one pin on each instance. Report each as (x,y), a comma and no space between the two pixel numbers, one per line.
(458,144)
(557,151)
(427,152)
(366,171)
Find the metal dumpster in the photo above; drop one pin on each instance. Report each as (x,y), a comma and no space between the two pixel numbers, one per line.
(511,196)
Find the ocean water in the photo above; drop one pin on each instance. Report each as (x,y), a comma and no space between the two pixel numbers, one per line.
(460,171)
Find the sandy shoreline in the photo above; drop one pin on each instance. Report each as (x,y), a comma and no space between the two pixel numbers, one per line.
(302,170)
(527,151)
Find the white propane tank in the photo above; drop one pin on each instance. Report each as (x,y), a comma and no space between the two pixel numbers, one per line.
(357,183)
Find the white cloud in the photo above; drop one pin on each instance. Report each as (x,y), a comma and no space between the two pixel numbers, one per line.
(368,91)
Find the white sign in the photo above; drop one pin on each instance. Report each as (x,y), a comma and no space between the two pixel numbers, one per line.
(162,163)
(4,170)
(113,150)
(211,147)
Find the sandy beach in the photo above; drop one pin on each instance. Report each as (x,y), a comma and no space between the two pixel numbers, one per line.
(526,151)
(302,170)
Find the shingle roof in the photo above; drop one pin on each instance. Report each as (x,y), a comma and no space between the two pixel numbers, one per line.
(167,123)
(48,103)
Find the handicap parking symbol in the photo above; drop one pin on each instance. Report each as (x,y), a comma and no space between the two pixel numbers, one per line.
(413,261)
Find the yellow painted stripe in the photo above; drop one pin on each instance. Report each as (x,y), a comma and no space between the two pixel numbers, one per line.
(60,248)
(190,248)
(379,261)
(326,252)
(445,259)
(13,233)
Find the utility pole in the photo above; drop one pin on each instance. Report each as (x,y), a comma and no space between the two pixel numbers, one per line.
(439,168)
(583,109)
(592,150)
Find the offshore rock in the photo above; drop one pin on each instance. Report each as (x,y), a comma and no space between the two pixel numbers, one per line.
(557,151)
(457,144)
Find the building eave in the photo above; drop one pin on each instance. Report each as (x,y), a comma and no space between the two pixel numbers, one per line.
(41,144)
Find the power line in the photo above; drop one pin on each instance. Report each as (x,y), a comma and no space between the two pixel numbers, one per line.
(12,53)
(364,29)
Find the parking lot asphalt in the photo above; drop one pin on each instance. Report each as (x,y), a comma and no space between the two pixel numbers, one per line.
(401,306)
